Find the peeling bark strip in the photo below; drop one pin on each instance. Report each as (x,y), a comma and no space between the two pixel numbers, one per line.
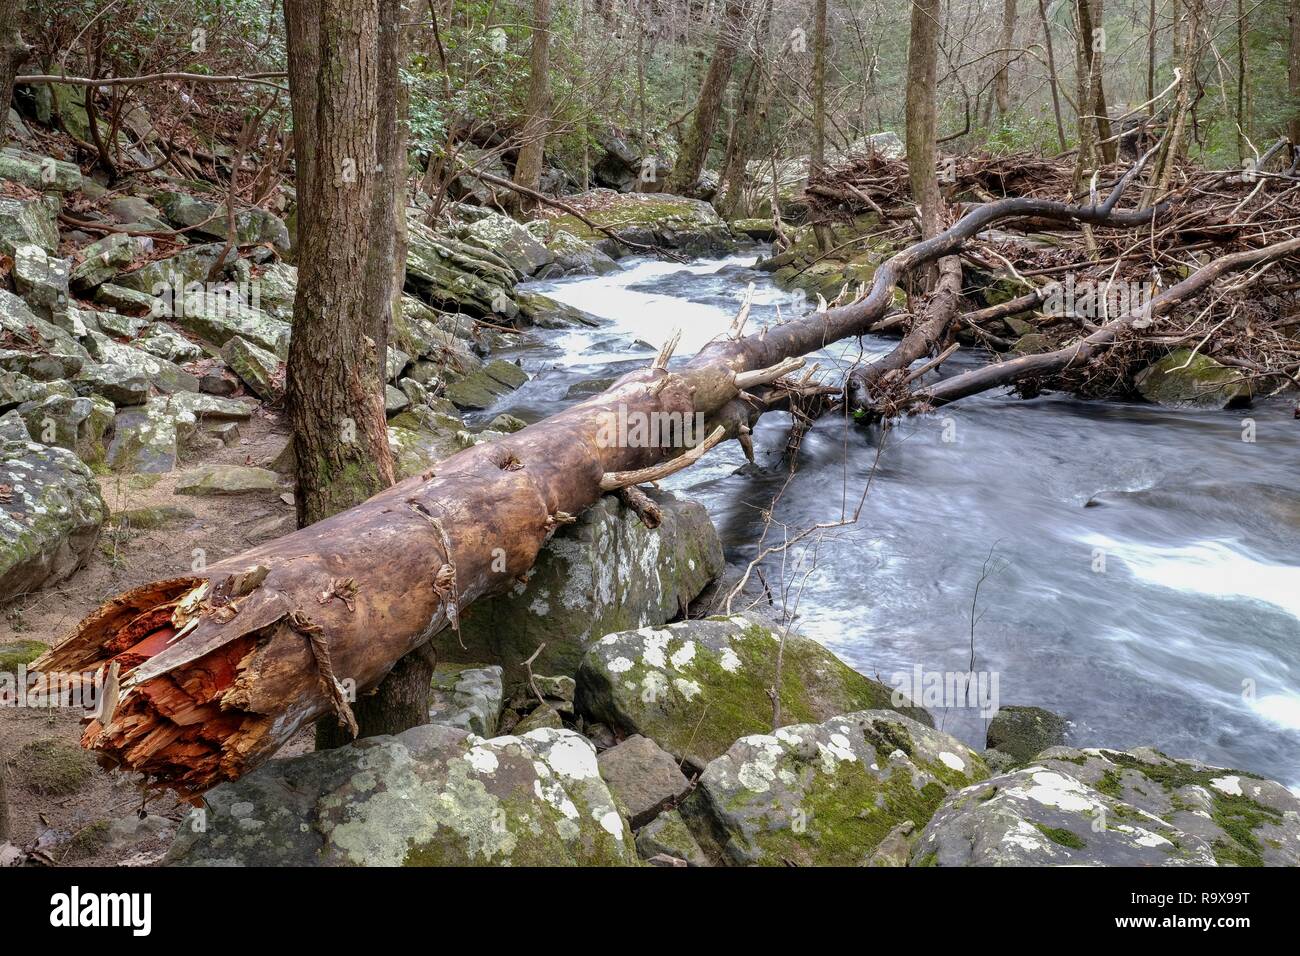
(215,675)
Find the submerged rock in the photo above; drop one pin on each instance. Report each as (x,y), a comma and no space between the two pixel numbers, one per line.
(826,794)
(1182,379)
(1115,808)
(432,796)
(50,515)
(606,572)
(695,687)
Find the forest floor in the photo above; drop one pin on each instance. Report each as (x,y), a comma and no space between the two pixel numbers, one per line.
(76,825)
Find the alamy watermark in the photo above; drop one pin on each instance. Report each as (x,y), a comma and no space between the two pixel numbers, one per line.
(977,690)
(632,428)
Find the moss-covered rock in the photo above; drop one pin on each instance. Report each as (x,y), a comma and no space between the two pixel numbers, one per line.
(657,219)
(1181,379)
(606,572)
(470,698)
(16,653)
(668,835)
(227,480)
(39,172)
(52,767)
(81,425)
(1024,732)
(1116,808)
(432,796)
(696,687)
(826,794)
(256,367)
(50,518)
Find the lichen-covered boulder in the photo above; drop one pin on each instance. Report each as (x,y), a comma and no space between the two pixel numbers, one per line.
(103,259)
(500,234)
(20,326)
(167,377)
(218,321)
(825,794)
(454,275)
(252,226)
(668,835)
(697,686)
(546,313)
(256,367)
(50,515)
(1115,808)
(605,572)
(213,480)
(148,439)
(41,280)
(39,172)
(431,796)
(470,699)
(25,222)
(1181,379)
(168,277)
(80,425)
(572,256)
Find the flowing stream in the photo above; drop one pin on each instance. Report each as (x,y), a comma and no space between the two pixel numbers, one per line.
(1137,567)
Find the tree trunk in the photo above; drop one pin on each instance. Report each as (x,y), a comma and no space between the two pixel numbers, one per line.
(817,154)
(922,60)
(221,669)
(334,402)
(1051,73)
(1002,78)
(528,168)
(12,53)
(1293,74)
(694,152)
(4,796)
(746,124)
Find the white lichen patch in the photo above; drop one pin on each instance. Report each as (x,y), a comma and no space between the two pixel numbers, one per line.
(1057,790)
(729,661)
(683,655)
(952,761)
(1231,785)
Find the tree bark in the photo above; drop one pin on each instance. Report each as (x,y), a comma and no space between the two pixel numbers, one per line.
(12,52)
(695,150)
(335,405)
(817,154)
(1293,74)
(220,669)
(1051,73)
(528,168)
(921,117)
(1002,78)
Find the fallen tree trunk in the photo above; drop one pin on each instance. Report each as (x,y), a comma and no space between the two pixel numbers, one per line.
(220,669)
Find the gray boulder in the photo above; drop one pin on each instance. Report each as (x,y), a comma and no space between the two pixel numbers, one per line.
(80,425)
(41,280)
(102,260)
(668,835)
(49,519)
(1115,808)
(697,686)
(432,796)
(44,173)
(256,367)
(470,699)
(27,222)
(643,777)
(826,794)
(605,572)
